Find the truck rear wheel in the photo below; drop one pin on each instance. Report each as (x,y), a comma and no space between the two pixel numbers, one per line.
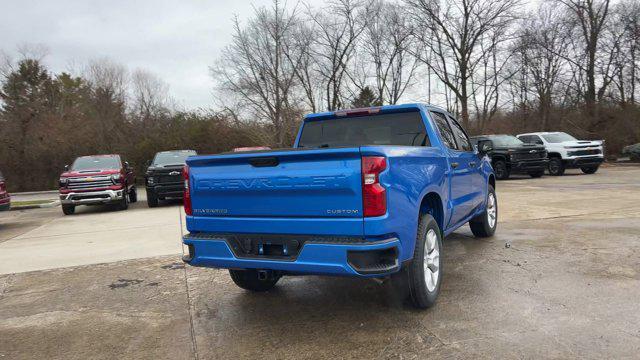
(68,209)
(484,225)
(424,275)
(589,169)
(251,279)
(556,166)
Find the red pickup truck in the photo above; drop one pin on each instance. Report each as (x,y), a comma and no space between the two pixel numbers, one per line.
(97,179)
(5,198)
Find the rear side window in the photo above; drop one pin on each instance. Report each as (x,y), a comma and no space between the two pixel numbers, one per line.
(445,131)
(405,129)
(461,137)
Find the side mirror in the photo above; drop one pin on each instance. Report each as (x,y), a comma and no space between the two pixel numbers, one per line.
(66,168)
(126,165)
(484,146)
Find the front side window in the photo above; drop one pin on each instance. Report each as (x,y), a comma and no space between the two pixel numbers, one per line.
(445,131)
(405,129)
(86,163)
(461,137)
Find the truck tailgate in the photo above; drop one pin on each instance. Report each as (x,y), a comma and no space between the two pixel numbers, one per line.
(322,183)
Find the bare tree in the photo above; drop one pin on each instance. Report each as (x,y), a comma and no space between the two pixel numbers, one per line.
(452,31)
(492,71)
(589,18)
(337,29)
(544,41)
(107,109)
(625,35)
(255,67)
(388,41)
(150,96)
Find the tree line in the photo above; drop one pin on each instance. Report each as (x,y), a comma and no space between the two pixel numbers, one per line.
(47,120)
(500,66)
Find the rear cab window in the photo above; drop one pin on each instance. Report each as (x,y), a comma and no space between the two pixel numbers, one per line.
(400,129)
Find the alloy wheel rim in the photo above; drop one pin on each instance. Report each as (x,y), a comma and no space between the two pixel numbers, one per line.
(492,211)
(431,261)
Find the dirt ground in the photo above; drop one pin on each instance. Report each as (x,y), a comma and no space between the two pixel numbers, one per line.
(561,279)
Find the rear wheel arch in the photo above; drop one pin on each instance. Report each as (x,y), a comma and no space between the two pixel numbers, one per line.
(554,155)
(492,181)
(432,204)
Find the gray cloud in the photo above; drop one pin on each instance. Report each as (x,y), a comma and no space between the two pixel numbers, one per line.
(175,40)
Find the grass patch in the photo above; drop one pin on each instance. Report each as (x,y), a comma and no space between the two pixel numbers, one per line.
(30,202)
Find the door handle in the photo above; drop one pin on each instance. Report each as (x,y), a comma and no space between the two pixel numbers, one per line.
(472,164)
(454,165)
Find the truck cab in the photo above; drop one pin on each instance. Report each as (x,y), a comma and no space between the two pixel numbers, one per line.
(510,155)
(5,198)
(163,178)
(364,193)
(567,152)
(95,180)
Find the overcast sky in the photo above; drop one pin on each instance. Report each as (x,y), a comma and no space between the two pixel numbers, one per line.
(176,40)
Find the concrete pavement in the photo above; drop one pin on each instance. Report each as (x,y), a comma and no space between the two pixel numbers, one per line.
(95,234)
(566,287)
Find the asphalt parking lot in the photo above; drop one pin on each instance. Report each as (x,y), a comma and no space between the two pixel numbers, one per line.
(561,279)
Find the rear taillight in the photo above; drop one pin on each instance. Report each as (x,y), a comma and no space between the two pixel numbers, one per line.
(187,193)
(374,195)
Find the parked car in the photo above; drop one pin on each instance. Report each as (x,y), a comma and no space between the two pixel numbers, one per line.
(5,198)
(97,179)
(566,152)
(632,151)
(509,155)
(364,193)
(163,177)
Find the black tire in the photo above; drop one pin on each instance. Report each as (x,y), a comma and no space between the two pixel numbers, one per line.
(152,199)
(68,209)
(556,166)
(133,195)
(422,296)
(248,280)
(501,170)
(536,174)
(589,169)
(481,225)
(124,203)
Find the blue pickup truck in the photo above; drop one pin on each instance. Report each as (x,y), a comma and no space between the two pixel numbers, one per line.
(365,192)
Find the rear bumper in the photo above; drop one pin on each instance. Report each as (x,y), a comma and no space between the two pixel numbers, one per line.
(91,197)
(529,165)
(318,256)
(584,161)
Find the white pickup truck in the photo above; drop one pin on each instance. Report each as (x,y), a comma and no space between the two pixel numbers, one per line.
(565,151)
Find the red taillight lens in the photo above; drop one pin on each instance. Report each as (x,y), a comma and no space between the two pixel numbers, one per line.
(187,193)
(374,195)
